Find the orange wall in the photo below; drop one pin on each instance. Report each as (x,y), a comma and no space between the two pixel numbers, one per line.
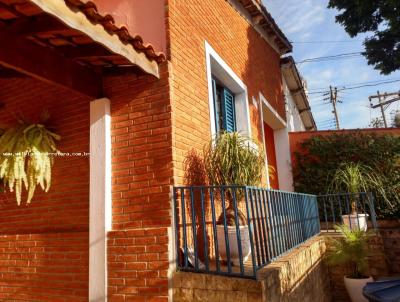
(145,18)
(271,155)
(296,138)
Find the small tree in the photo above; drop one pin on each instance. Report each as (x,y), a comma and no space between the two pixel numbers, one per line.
(351,250)
(233,160)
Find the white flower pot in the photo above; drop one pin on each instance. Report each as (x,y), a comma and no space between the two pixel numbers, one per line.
(233,243)
(355,286)
(356,221)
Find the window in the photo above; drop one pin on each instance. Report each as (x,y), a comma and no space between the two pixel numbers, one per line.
(224,108)
(227,95)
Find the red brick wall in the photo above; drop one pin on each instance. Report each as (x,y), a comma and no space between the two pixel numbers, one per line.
(44,267)
(44,245)
(141,179)
(190,24)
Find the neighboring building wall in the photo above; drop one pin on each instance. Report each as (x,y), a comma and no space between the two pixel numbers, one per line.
(293,118)
(44,245)
(138,246)
(252,59)
(283,159)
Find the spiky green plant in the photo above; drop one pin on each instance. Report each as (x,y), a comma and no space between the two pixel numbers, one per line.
(354,178)
(236,160)
(26,158)
(351,250)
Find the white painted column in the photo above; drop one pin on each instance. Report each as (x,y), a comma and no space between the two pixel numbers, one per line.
(100,197)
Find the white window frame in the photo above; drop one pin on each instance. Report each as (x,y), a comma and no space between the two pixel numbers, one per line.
(217,67)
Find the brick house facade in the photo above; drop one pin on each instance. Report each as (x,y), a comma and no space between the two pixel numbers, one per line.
(46,249)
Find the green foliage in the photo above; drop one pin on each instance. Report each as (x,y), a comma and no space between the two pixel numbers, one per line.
(232,159)
(379,17)
(319,158)
(25,158)
(351,250)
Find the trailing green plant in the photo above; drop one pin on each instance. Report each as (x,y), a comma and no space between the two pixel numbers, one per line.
(351,250)
(26,158)
(354,178)
(317,159)
(233,160)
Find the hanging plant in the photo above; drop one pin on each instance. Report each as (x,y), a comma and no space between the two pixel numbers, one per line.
(26,158)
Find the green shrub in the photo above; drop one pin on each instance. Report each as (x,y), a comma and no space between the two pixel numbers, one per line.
(319,158)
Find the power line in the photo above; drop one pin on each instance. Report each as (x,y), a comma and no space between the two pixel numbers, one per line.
(383,102)
(359,83)
(331,58)
(325,41)
(368,85)
(356,87)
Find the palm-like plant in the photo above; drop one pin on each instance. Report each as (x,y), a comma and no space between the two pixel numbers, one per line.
(351,250)
(354,178)
(233,160)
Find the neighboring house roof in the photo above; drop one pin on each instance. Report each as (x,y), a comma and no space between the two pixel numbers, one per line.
(75,28)
(295,85)
(261,16)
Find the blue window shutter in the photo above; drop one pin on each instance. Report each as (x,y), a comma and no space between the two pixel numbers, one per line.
(228,108)
(214,87)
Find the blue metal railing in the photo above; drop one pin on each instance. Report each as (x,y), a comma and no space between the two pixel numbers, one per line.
(235,230)
(356,210)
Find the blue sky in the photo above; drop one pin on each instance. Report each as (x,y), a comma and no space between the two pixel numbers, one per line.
(310,20)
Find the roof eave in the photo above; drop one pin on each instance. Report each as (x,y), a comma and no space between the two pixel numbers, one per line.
(288,64)
(78,20)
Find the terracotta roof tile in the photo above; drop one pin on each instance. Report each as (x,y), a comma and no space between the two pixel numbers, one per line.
(91,12)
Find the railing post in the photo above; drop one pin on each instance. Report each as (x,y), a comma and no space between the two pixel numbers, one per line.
(372,210)
(253,257)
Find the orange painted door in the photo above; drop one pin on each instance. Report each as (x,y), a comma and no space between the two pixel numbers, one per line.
(271,156)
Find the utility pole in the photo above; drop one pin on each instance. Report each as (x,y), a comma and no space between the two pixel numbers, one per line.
(333,99)
(382,102)
(382,110)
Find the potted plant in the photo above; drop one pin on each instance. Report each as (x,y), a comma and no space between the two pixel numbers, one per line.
(233,160)
(352,251)
(354,178)
(26,157)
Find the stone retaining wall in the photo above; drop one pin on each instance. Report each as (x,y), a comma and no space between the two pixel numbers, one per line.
(390,233)
(298,276)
